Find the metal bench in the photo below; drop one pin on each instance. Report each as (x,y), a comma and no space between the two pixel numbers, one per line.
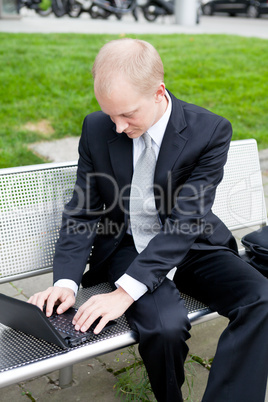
(31,203)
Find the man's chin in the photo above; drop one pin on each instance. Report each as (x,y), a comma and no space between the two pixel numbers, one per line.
(134,134)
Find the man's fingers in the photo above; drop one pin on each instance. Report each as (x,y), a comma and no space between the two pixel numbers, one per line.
(62,296)
(39,299)
(52,296)
(69,302)
(108,306)
(86,320)
(101,325)
(84,312)
(88,313)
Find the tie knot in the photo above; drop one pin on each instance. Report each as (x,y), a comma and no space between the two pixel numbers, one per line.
(147,140)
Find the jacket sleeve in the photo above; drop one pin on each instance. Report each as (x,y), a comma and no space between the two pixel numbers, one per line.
(79,220)
(190,215)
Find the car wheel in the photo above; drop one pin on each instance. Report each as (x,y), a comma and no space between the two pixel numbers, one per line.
(253,12)
(207,9)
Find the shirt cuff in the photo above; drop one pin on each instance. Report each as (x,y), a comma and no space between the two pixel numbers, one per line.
(67,283)
(134,288)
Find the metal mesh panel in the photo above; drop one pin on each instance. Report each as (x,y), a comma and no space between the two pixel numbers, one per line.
(18,349)
(239,199)
(193,305)
(31,205)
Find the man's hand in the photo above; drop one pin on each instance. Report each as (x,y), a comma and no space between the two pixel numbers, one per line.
(54,295)
(109,306)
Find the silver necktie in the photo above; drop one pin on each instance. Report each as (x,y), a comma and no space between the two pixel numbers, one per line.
(143,214)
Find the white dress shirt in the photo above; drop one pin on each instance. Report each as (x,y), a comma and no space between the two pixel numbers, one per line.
(133,287)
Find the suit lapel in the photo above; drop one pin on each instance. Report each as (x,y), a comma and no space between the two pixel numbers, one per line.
(172,144)
(120,149)
(121,155)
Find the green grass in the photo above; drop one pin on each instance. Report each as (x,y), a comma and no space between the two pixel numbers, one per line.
(47,77)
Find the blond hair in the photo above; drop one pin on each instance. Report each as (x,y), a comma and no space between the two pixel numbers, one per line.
(136,60)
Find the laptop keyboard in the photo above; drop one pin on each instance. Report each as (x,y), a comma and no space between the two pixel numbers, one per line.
(63,323)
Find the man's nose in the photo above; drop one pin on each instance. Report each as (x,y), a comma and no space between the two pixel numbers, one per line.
(121,125)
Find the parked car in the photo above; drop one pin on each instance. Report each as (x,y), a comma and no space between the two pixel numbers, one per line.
(251,8)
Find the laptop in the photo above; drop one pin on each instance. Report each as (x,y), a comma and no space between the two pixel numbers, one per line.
(57,329)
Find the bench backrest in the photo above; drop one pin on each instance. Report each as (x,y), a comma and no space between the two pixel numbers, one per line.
(32,199)
(31,203)
(240,201)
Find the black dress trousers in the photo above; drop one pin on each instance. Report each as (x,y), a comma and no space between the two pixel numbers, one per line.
(227,284)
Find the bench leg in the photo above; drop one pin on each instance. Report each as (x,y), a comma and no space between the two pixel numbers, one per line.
(66,376)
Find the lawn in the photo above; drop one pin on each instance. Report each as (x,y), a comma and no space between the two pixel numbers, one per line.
(47,89)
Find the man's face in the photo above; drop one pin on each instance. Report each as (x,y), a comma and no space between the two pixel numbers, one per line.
(132,112)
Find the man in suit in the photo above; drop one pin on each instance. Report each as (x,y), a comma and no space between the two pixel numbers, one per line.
(187,249)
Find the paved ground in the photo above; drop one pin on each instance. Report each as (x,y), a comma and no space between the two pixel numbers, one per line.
(95,379)
(84,24)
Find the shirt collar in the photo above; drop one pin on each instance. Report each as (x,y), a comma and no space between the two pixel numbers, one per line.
(157,131)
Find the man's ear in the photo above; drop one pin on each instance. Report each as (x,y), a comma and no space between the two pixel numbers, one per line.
(160,93)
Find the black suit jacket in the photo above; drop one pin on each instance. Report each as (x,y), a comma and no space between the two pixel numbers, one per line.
(188,171)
